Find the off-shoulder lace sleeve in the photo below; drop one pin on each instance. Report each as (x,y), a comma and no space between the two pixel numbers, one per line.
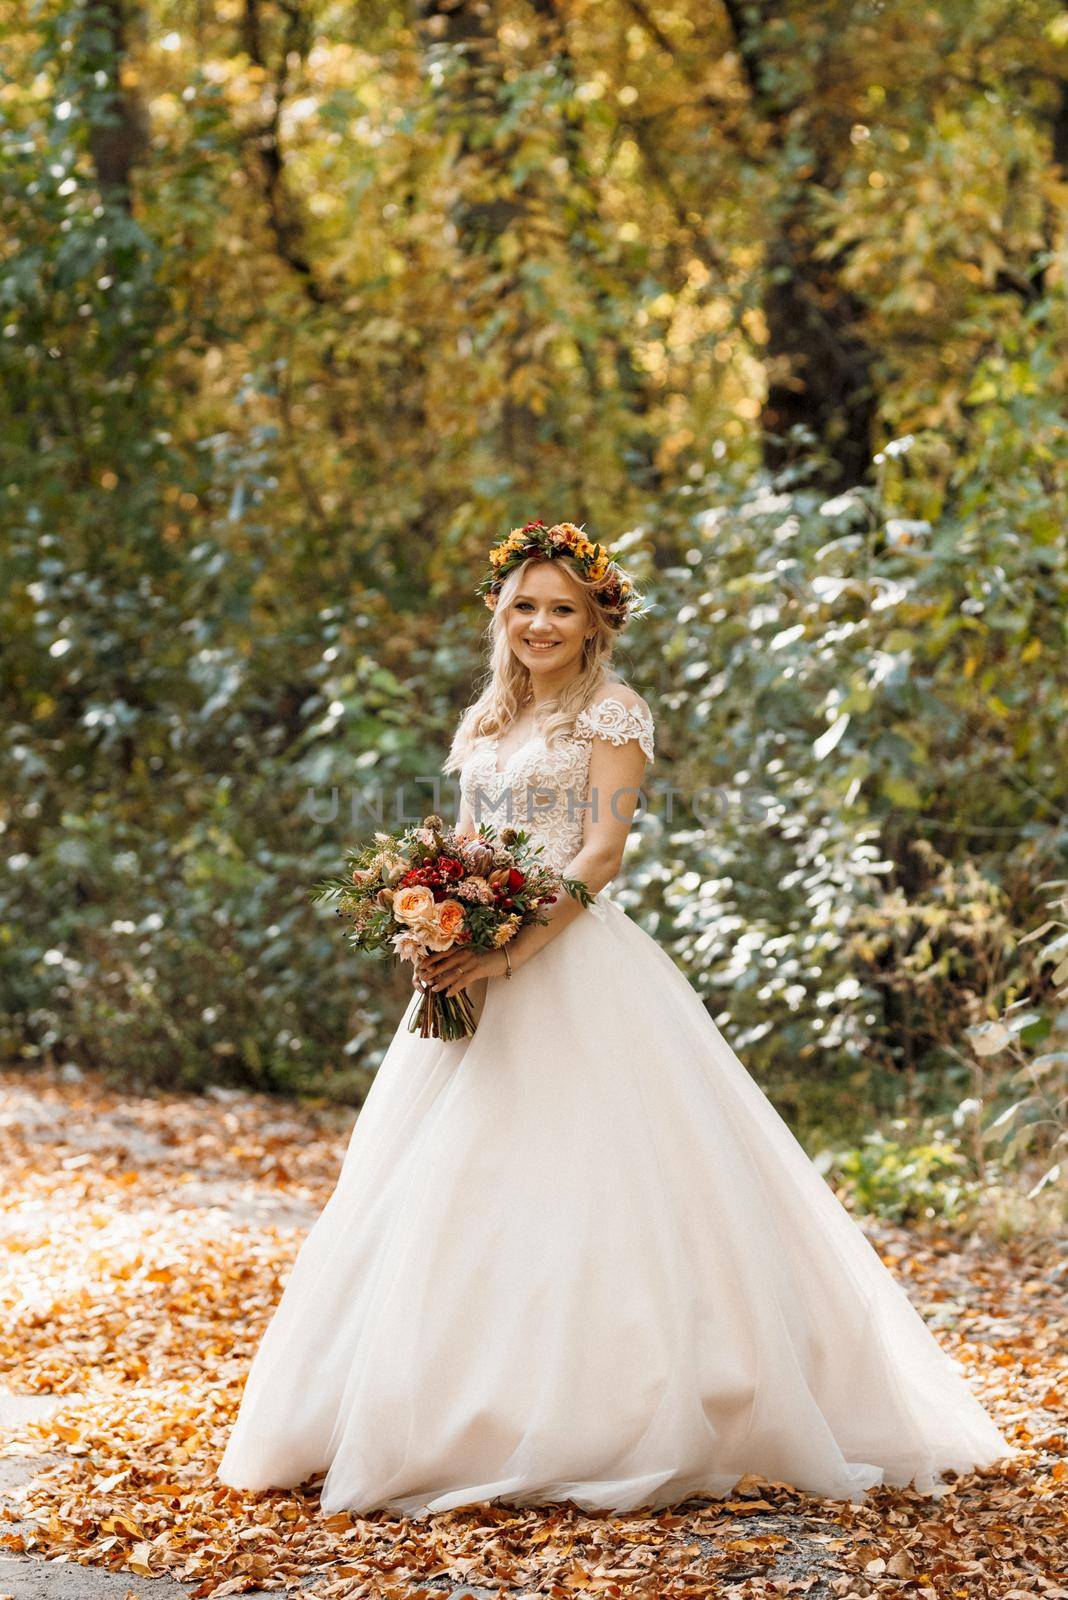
(610,719)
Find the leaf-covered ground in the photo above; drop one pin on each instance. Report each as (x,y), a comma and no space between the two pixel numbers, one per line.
(143,1245)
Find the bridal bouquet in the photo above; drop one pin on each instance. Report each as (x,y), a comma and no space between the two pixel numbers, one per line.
(430,888)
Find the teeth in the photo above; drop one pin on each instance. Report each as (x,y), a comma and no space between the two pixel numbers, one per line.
(544,645)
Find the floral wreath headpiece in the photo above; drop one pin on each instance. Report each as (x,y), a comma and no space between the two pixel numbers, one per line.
(614,593)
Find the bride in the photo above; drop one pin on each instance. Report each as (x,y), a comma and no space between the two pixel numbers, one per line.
(579,1255)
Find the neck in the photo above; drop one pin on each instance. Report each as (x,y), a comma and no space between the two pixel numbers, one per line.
(547,688)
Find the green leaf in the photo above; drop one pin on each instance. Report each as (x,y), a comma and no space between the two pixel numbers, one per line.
(827,741)
(1051,1176)
(902,792)
(988,1038)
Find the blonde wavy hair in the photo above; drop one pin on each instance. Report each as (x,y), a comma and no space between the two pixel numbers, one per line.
(506,686)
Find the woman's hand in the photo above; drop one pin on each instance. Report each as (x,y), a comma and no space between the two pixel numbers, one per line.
(449,971)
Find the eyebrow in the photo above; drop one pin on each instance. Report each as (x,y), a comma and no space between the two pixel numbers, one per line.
(558,599)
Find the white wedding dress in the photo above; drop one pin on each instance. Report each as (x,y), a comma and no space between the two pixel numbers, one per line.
(579,1255)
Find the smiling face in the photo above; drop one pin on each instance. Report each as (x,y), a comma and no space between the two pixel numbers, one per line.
(546,623)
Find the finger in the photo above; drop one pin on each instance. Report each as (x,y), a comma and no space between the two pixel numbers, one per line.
(455,976)
(445,958)
(462,979)
(450,960)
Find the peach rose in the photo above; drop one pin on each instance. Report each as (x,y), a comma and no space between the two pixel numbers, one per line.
(429,933)
(414,903)
(450,917)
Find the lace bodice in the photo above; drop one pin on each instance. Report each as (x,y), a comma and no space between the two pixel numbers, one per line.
(544,791)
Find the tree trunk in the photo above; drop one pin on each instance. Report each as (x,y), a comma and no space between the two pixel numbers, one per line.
(818,361)
(118,131)
(461,38)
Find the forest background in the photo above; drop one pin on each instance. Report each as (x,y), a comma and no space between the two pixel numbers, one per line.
(303,305)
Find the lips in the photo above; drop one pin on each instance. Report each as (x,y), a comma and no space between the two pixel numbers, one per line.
(542,645)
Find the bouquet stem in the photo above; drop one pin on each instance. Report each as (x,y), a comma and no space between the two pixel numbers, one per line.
(443,1016)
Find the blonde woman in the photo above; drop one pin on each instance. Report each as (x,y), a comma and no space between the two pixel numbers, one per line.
(579,1255)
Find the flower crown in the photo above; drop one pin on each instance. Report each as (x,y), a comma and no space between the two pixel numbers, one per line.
(615,592)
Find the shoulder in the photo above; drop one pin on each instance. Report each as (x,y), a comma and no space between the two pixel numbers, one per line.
(617,698)
(617,714)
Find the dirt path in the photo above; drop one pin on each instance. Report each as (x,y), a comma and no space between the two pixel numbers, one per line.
(143,1243)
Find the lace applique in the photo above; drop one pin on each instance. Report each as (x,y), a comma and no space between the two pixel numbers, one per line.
(544,791)
(610,719)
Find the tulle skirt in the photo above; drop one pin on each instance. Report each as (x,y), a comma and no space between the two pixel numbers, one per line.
(580,1256)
